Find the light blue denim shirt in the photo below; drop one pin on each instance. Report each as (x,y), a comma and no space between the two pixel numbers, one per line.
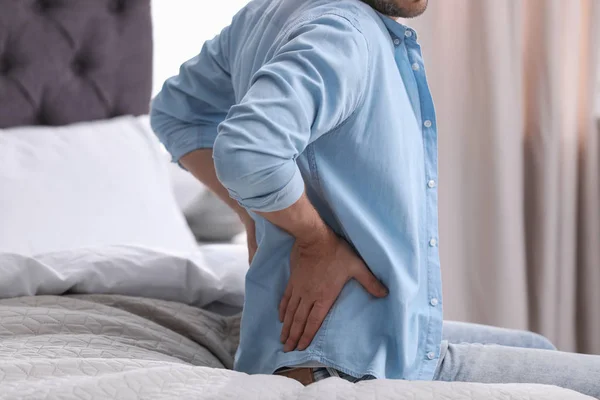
(330,97)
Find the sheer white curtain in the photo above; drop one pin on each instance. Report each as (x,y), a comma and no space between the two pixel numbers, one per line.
(514,83)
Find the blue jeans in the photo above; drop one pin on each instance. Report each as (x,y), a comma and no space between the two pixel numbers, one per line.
(485,354)
(507,363)
(462,332)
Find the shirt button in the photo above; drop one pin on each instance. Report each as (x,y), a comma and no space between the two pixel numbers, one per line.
(431,184)
(415,67)
(427,123)
(397,42)
(433,242)
(431,355)
(434,302)
(408,33)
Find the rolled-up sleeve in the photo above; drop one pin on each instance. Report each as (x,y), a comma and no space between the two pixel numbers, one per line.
(187,111)
(313,83)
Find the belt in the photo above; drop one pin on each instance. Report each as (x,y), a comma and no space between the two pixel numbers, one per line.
(303,375)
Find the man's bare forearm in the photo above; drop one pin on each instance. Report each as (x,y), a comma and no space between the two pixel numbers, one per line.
(200,164)
(300,220)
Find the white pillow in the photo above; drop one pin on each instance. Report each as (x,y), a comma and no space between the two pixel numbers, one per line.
(211,274)
(87,184)
(211,220)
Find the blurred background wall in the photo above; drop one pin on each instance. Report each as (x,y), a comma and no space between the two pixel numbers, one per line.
(180,29)
(517,90)
(515,85)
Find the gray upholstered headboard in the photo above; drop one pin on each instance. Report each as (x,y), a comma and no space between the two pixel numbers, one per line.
(65,61)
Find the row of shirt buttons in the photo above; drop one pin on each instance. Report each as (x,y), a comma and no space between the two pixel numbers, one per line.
(408,34)
(432,243)
(431,184)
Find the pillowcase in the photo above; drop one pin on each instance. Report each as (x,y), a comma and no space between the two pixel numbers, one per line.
(87,184)
(212,275)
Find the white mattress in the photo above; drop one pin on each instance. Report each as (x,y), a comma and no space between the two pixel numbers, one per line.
(121,345)
(118,347)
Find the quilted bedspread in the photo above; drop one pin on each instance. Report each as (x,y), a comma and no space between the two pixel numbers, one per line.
(119,347)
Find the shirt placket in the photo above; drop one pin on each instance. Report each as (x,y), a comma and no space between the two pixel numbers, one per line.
(429,132)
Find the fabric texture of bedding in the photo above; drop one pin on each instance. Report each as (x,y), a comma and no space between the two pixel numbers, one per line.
(116,347)
(87,184)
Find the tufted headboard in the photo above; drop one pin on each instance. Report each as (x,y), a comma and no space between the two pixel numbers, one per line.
(65,61)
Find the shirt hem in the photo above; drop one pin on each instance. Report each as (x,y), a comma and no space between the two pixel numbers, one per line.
(327,363)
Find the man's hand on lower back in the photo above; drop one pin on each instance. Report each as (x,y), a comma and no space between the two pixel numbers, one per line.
(321,264)
(320,269)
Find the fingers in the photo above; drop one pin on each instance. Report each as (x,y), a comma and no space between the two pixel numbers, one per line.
(288,319)
(299,322)
(284,302)
(315,320)
(365,277)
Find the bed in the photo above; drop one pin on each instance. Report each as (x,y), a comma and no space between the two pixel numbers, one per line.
(104,293)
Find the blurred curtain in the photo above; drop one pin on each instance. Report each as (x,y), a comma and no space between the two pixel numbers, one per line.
(514,83)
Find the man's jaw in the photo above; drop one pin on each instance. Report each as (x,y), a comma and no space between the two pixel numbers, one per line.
(399,8)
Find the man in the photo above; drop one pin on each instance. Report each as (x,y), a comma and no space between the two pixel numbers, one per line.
(314,121)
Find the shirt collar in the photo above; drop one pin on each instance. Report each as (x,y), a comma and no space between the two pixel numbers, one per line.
(397,29)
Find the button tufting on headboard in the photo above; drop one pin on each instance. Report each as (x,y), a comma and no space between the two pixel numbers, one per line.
(80,66)
(43,5)
(117,6)
(65,61)
(5,65)
(41,119)
(115,113)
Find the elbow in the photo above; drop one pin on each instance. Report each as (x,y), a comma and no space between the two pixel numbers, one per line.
(256,180)
(178,137)
(160,125)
